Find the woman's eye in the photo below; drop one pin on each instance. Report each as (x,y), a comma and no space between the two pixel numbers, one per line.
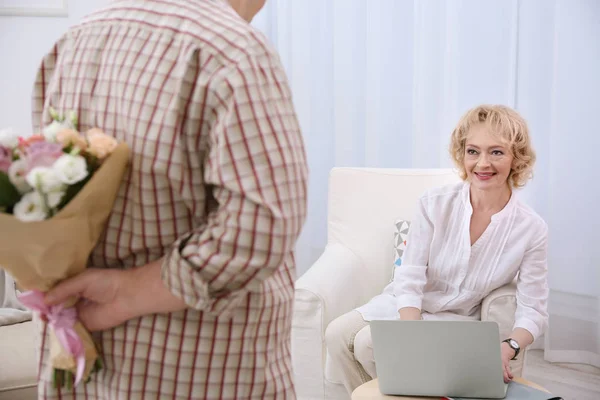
(471,152)
(497,153)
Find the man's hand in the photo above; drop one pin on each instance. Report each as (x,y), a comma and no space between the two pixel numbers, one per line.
(507,354)
(109,297)
(102,295)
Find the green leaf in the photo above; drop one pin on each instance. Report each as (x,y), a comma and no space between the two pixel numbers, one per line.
(69,378)
(9,195)
(53,114)
(98,365)
(58,380)
(74,120)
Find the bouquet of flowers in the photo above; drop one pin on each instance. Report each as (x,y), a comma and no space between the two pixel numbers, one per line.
(57,191)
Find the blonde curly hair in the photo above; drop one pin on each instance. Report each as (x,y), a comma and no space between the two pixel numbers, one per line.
(504,123)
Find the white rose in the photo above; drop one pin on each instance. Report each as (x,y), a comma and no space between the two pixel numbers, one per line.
(44,179)
(8,138)
(54,198)
(16,174)
(52,130)
(30,208)
(70,169)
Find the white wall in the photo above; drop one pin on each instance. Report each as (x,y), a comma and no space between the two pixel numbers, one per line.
(23,43)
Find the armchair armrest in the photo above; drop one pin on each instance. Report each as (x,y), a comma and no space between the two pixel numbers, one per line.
(330,288)
(500,306)
(334,282)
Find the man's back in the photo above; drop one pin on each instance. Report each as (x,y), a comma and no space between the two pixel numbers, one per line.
(217,185)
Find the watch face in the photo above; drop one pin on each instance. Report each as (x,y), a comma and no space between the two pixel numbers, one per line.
(514,344)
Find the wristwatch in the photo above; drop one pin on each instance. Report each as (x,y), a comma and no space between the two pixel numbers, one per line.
(513,345)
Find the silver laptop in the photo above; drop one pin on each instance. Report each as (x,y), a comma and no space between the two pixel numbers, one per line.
(438,358)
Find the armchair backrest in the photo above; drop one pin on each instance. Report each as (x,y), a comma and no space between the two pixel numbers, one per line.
(365,202)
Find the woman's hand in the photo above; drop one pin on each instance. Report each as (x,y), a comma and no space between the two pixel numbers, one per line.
(507,354)
(410,314)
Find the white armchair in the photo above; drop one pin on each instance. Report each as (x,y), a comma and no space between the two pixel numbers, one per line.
(357,264)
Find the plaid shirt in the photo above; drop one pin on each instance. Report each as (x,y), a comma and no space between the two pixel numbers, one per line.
(216,185)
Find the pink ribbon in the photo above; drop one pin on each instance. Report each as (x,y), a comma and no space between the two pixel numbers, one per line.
(62,321)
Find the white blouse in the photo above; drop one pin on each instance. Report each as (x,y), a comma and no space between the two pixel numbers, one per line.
(447,278)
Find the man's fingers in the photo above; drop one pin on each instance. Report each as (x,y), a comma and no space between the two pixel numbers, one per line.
(88,314)
(98,317)
(69,288)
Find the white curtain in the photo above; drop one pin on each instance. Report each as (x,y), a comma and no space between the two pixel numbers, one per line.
(381,83)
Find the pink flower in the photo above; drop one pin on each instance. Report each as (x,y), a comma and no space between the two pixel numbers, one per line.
(42,154)
(100,144)
(68,137)
(26,142)
(5,159)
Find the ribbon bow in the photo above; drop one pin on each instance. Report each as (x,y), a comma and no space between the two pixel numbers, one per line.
(62,321)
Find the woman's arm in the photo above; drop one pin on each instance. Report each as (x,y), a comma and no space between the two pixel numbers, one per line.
(531,316)
(532,289)
(522,336)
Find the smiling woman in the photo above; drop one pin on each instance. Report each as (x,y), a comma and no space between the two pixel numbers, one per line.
(492,150)
(487,162)
(447,270)
(492,141)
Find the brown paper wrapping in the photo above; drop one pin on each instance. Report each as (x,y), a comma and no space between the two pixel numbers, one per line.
(40,254)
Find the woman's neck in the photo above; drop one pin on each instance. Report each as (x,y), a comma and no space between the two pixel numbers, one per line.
(490,201)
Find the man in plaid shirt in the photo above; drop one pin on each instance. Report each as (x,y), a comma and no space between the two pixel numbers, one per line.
(191,287)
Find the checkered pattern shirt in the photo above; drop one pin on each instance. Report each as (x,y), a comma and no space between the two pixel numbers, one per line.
(216,186)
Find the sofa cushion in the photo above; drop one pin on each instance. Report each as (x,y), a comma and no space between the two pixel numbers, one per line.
(401,227)
(17,366)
